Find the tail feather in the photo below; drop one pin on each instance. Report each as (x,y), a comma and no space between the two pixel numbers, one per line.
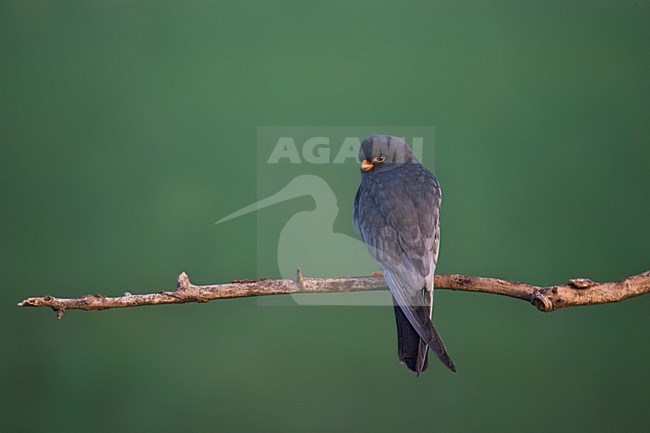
(438,347)
(411,349)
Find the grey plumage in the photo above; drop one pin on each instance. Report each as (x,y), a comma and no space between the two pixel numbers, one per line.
(396,213)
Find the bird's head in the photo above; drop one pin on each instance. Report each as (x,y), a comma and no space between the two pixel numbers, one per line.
(383,152)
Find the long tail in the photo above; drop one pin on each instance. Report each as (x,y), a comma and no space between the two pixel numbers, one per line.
(411,349)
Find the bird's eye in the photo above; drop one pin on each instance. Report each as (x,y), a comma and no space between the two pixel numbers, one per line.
(380,158)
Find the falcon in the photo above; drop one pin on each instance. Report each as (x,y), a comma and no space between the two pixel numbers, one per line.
(396,213)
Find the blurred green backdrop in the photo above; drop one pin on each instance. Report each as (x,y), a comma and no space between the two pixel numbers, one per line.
(128,129)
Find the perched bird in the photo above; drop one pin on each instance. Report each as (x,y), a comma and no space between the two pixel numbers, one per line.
(396,213)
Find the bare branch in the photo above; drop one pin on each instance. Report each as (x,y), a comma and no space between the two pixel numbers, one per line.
(576,292)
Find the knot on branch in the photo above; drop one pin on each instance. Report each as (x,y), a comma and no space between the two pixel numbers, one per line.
(581,283)
(300,279)
(542,302)
(183,281)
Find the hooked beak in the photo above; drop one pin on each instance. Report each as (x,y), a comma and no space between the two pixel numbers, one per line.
(366,165)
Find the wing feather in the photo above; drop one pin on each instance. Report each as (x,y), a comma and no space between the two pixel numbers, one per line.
(397,216)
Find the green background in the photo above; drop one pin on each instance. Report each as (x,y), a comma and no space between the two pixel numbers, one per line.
(128,128)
